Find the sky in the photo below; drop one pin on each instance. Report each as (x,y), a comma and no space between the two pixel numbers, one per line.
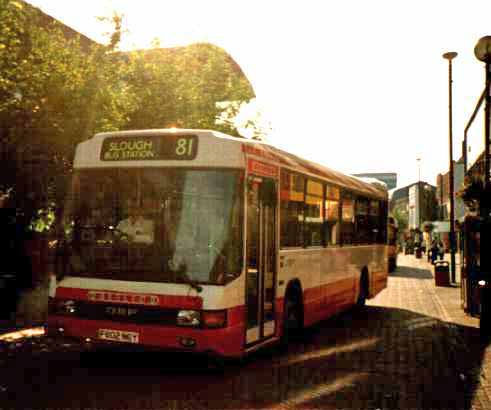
(356,85)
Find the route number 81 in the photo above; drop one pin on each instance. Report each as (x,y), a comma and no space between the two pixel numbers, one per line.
(184,147)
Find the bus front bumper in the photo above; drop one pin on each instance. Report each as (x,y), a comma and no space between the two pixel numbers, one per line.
(226,342)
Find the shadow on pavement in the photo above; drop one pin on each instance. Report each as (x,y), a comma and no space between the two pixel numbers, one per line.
(411,272)
(374,358)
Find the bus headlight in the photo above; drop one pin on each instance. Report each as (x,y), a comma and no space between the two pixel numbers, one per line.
(188,318)
(481,283)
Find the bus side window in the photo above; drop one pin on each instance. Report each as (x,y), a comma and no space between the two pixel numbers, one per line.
(292,209)
(362,234)
(373,220)
(348,219)
(331,216)
(313,214)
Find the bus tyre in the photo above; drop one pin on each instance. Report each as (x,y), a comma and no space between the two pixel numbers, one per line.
(292,318)
(363,294)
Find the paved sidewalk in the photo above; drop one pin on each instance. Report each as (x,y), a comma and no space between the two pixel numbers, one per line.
(448,299)
(446,341)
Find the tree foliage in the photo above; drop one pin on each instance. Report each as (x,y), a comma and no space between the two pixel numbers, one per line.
(402,218)
(181,87)
(58,88)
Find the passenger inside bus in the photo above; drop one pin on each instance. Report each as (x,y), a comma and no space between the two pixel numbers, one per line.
(136,228)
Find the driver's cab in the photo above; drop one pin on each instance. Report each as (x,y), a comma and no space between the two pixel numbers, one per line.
(137,226)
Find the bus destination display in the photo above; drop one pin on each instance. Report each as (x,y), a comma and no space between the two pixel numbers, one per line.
(137,148)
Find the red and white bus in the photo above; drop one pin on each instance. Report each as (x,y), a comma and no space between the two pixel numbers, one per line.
(248,243)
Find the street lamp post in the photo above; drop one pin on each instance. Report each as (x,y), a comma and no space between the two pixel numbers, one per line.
(450,56)
(482,51)
(418,209)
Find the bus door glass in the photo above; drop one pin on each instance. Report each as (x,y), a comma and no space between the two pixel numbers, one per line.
(261,258)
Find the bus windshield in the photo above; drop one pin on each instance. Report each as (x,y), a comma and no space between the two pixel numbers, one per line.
(154,225)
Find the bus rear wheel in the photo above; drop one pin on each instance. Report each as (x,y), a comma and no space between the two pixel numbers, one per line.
(292,317)
(363,294)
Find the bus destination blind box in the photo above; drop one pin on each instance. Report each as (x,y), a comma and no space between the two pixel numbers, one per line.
(137,148)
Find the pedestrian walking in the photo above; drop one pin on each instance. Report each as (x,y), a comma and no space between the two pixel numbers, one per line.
(427,244)
(434,251)
(441,249)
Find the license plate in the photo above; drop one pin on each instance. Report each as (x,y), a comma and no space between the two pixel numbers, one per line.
(118,335)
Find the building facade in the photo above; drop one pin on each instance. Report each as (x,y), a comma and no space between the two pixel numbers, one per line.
(413,205)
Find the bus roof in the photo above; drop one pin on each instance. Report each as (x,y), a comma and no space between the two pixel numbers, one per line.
(88,154)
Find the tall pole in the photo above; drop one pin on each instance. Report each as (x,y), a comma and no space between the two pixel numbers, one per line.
(419,192)
(450,56)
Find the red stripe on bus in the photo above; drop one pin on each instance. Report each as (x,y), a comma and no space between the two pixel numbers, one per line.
(101,295)
(321,302)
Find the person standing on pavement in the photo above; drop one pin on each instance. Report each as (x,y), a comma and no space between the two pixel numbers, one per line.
(427,245)
(434,251)
(441,249)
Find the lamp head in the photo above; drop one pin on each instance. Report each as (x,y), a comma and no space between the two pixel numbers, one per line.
(482,50)
(450,55)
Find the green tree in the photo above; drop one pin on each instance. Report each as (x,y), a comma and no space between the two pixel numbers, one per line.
(182,87)
(402,218)
(56,89)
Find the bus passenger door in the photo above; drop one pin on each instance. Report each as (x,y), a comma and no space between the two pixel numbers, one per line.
(261,258)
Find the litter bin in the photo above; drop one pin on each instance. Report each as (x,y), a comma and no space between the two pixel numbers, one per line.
(418,252)
(442,273)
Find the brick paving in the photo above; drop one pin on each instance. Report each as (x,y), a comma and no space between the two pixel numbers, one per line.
(446,342)
(411,348)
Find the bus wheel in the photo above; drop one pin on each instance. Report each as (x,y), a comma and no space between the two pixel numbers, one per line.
(292,318)
(363,294)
